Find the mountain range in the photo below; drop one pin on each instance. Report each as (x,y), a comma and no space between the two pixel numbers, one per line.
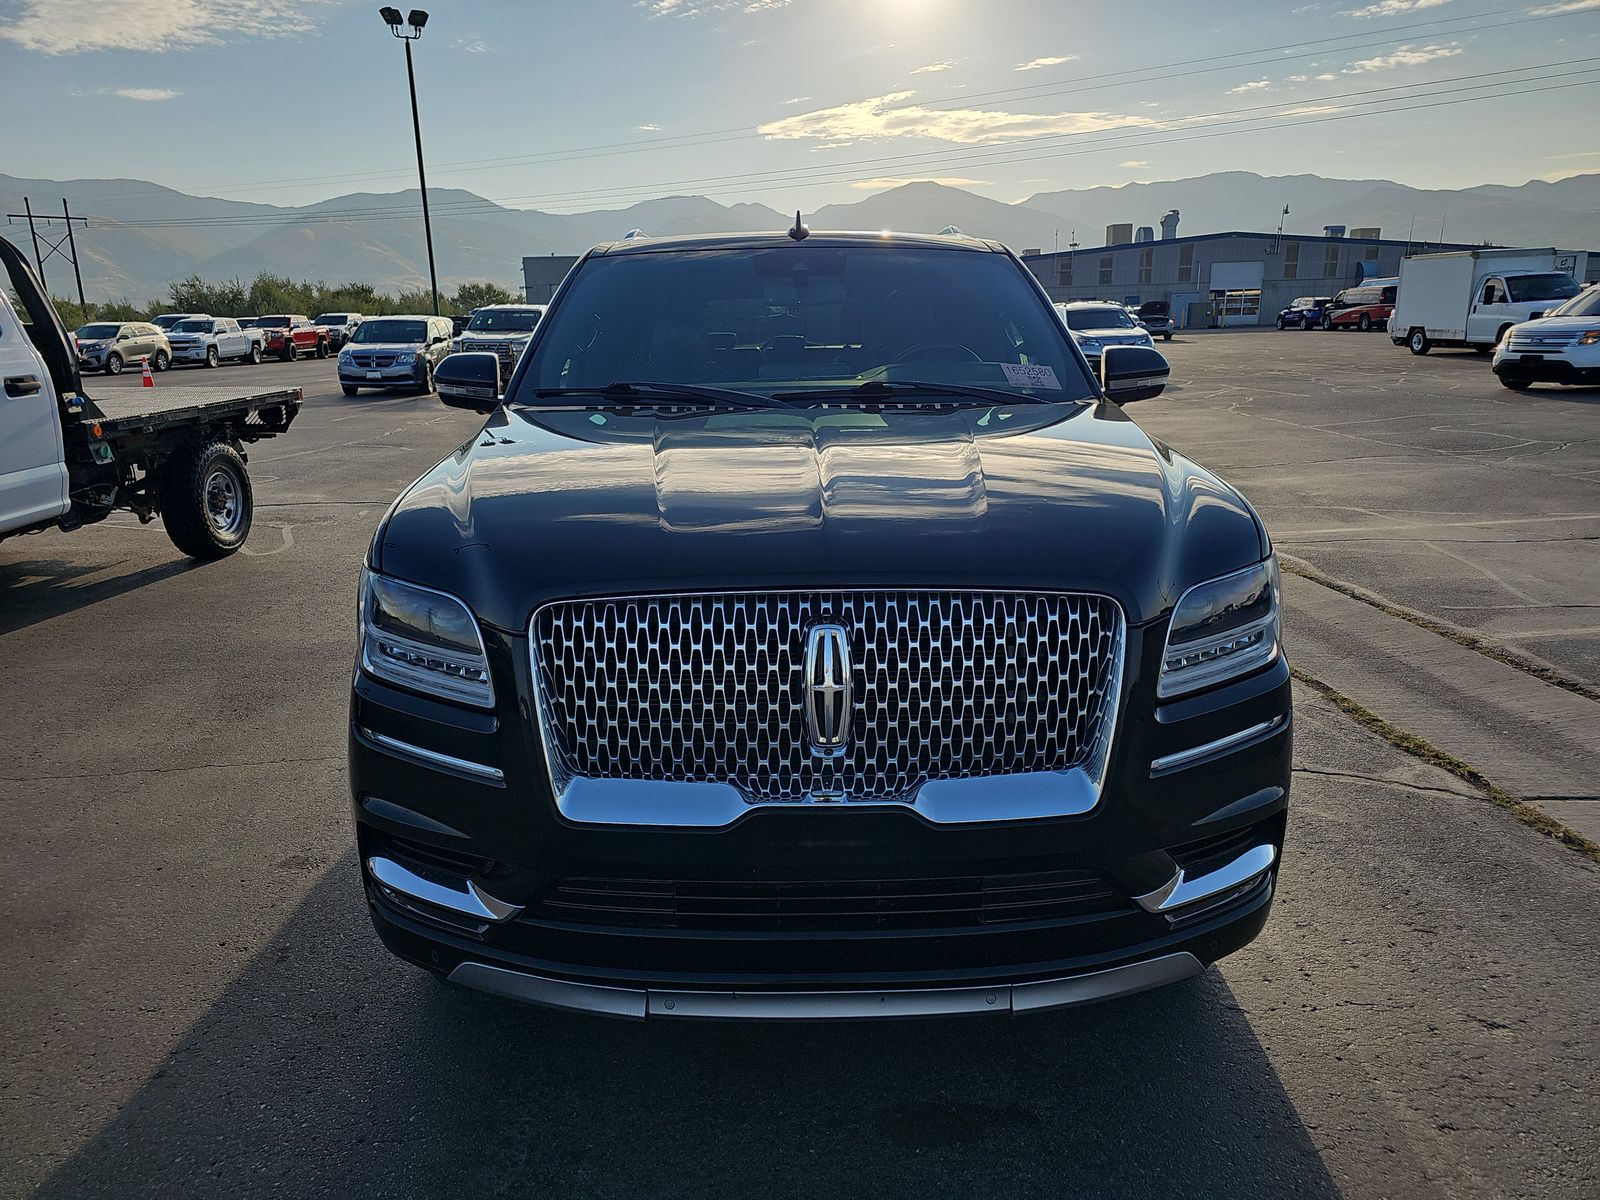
(142,236)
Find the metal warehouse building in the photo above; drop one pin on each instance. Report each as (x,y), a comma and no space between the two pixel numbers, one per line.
(1219,279)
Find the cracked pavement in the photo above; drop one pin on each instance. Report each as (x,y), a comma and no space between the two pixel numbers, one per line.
(195,1004)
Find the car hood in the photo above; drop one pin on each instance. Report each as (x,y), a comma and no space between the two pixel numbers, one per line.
(385,347)
(1559,325)
(1113,334)
(541,506)
(496,335)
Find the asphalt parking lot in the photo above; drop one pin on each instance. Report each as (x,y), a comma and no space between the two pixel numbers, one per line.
(196,1005)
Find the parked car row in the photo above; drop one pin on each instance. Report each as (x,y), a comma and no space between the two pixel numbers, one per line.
(1366,307)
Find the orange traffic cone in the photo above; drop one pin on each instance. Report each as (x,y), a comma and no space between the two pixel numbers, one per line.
(149,380)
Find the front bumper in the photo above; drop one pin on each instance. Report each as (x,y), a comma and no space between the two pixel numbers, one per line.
(408,375)
(195,353)
(817,911)
(1546,368)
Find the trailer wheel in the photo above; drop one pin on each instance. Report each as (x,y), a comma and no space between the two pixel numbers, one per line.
(206,501)
(1418,342)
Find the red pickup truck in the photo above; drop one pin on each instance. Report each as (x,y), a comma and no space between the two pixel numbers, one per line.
(291,335)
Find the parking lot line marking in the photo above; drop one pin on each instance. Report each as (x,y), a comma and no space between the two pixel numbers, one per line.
(1285,533)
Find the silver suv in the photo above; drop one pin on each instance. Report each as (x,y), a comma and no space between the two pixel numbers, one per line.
(110,346)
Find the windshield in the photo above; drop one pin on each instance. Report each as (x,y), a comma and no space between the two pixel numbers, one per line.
(824,317)
(1099,318)
(167,320)
(272,322)
(97,333)
(411,332)
(1585,304)
(505,320)
(332,319)
(1555,286)
(192,327)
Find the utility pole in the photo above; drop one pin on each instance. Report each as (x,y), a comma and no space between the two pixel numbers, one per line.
(40,257)
(418,19)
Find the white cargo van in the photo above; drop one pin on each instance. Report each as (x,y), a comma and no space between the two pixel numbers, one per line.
(1471,297)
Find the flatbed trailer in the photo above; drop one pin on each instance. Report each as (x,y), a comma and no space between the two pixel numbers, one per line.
(68,460)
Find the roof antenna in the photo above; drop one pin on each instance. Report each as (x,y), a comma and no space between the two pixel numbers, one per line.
(799,233)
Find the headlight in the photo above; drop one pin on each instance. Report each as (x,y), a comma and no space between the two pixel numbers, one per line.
(405,357)
(1589,337)
(1220,629)
(424,640)
(1089,343)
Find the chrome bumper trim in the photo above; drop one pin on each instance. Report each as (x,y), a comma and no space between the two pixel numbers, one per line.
(1181,891)
(1223,745)
(473,902)
(432,758)
(638,1003)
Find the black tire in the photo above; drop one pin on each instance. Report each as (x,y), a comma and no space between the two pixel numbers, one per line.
(255,354)
(161,361)
(1365,323)
(426,386)
(1516,385)
(1500,335)
(206,501)
(1166,337)
(1280,321)
(322,348)
(213,358)
(348,389)
(1327,323)
(113,363)
(290,351)
(1306,323)
(1418,343)
(1483,350)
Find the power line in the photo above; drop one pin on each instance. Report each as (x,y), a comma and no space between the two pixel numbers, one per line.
(995,153)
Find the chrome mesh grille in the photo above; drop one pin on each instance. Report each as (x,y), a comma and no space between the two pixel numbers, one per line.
(710,688)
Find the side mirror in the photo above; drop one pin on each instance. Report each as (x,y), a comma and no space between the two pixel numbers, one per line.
(469,380)
(1129,373)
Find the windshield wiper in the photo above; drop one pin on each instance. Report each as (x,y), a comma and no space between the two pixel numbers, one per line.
(894,388)
(642,392)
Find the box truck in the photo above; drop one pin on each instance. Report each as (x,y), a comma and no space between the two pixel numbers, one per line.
(1471,297)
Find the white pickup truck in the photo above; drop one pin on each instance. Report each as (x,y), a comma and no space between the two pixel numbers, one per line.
(1471,297)
(67,461)
(214,340)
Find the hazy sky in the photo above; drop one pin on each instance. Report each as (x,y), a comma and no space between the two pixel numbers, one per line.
(795,103)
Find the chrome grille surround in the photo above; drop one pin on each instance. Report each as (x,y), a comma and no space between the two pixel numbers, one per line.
(1537,340)
(688,709)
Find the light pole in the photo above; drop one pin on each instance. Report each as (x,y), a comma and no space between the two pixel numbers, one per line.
(417,19)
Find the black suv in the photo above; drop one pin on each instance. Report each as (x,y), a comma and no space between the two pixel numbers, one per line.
(808,635)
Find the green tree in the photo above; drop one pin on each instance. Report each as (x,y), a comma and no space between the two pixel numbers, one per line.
(475,295)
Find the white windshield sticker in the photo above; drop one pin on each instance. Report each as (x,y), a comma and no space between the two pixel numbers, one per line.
(1039,375)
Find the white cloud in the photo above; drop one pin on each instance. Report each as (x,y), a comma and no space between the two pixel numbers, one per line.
(1326,78)
(144,94)
(1565,6)
(795,100)
(932,68)
(1137,164)
(475,46)
(706,8)
(1055,60)
(1258,85)
(1296,79)
(894,181)
(1406,56)
(1307,110)
(651,128)
(1558,176)
(76,26)
(1392,8)
(889,116)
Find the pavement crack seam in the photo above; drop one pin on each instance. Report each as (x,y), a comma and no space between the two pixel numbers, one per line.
(265,762)
(1420,748)
(1400,783)
(1542,671)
